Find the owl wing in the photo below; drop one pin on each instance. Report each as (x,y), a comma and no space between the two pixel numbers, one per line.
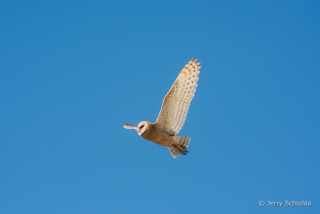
(176,103)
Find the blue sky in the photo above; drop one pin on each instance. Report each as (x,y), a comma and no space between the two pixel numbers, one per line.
(73,72)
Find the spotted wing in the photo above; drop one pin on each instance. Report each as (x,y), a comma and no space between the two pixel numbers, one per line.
(175,105)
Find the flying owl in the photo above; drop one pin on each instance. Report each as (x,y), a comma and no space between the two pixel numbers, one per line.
(173,112)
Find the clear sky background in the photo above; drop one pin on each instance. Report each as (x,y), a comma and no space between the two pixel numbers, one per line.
(73,72)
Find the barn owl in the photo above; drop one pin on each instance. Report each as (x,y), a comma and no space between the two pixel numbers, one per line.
(173,112)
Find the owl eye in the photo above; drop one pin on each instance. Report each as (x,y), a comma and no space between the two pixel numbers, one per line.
(141,126)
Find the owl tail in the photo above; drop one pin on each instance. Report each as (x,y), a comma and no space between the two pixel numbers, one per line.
(181,147)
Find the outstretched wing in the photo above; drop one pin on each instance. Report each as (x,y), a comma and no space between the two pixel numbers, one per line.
(175,105)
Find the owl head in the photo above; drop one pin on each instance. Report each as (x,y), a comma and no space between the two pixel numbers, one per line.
(141,128)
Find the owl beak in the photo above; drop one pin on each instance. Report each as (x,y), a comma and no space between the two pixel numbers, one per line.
(129,126)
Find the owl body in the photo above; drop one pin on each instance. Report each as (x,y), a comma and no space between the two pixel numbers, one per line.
(173,113)
(156,134)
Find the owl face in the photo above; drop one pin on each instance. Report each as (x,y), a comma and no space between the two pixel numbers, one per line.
(142,127)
